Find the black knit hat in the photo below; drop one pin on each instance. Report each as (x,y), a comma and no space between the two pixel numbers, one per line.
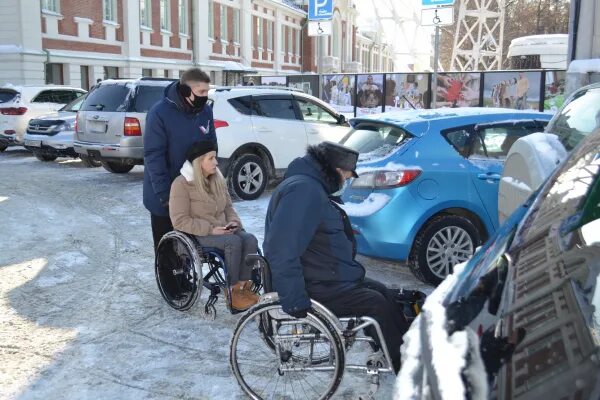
(200,148)
(340,156)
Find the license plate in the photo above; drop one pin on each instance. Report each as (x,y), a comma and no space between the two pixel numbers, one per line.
(97,127)
(33,143)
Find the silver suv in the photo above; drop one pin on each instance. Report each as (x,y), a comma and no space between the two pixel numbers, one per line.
(112,118)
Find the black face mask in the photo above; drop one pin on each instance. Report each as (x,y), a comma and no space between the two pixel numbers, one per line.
(199,102)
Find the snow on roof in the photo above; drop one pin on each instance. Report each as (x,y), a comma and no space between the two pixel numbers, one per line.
(584,66)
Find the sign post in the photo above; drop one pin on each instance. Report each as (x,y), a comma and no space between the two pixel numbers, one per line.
(320,14)
(436,16)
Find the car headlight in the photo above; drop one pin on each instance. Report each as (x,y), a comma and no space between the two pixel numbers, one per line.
(65,126)
(385,179)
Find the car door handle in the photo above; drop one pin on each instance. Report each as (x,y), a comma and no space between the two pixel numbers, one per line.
(489,176)
(263,130)
(313,131)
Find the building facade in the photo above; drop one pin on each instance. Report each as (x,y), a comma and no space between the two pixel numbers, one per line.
(77,42)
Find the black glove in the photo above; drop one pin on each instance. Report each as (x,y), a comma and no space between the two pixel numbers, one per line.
(298,313)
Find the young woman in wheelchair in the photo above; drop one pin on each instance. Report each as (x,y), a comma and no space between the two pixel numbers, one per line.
(199,204)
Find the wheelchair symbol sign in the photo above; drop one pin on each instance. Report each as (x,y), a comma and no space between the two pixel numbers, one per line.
(437,16)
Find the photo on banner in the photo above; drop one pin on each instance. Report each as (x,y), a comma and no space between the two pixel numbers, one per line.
(369,94)
(309,84)
(406,91)
(512,89)
(251,80)
(554,89)
(273,80)
(338,91)
(457,89)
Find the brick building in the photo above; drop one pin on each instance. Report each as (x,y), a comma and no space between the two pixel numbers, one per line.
(76,42)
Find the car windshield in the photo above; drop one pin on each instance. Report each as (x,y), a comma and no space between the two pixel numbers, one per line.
(374,140)
(75,105)
(577,119)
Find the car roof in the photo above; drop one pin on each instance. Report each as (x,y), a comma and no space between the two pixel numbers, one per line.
(145,81)
(415,120)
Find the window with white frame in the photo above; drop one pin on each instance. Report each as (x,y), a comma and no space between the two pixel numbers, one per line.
(165,15)
(236,25)
(298,42)
(270,25)
(259,33)
(109,10)
(145,13)
(290,39)
(211,19)
(183,17)
(224,23)
(51,5)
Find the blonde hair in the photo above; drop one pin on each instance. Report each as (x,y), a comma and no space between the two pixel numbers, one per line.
(214,186)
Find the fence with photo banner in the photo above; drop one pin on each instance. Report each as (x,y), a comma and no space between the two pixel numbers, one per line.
(363,94)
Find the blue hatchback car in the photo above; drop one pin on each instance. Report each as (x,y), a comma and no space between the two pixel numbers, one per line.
(428,186)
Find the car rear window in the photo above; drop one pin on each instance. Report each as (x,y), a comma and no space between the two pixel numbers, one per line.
(243,105)
(7,95)
(374,140)
(107,98)
(577,119)
(147,96)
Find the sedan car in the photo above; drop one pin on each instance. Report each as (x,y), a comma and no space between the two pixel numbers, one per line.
(428,185)
(520,319)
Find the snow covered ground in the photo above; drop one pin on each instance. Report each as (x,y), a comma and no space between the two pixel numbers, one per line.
(80,314)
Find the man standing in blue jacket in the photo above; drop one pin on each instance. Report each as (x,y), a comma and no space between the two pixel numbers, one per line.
(310,246)
(172,125)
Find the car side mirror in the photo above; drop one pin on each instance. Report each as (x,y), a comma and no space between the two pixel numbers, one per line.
(341,119)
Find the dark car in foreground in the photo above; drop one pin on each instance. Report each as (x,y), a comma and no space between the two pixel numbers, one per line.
(521,319)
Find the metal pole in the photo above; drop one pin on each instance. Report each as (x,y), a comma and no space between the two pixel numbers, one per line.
(320,54)
(436,55)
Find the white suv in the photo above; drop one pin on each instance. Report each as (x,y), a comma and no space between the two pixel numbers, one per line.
(260,130)
(19,104)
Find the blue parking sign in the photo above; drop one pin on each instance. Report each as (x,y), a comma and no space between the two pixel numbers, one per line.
(320,10)
(438,2)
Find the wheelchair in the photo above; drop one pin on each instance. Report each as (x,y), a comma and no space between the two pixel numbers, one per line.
(179,265)
(274,355)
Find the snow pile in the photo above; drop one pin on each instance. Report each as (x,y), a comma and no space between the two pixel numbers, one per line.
(447,353)
(516,183)
(549,150)
(372,204)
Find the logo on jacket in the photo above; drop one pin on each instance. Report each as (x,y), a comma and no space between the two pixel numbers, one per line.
(204,129)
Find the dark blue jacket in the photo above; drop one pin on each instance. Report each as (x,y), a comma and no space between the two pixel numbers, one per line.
(307,239)
(169,131)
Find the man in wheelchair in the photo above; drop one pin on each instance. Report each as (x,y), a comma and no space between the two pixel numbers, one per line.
(311,248)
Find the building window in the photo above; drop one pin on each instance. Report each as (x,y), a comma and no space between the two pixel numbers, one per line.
(335,39)
(298,41)
(259,33)
(145,13)
(183,17)
(290,39)
(270,26)
(224,23)
(51,5)
(236,25)
(282,39)
(211,20)
(165,15)
(147,72)
(54,74)
(109,10)
(111,72)
(85,77)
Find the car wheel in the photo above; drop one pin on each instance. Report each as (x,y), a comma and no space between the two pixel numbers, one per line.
(3,147)
(117,167)
(442,243)
(44,157)
(248,177)
(90,162)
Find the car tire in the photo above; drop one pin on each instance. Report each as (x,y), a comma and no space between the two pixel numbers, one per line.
(44,157)
(241,185)
(89,162)
(117,167)
(3,147)
(443,242)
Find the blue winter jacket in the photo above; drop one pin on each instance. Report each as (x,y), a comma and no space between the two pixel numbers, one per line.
(169,131)
(307,243)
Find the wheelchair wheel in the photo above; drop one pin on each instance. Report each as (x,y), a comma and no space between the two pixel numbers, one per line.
(177,270)
(301,359)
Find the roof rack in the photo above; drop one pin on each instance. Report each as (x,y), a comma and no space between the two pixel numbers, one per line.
(226,88)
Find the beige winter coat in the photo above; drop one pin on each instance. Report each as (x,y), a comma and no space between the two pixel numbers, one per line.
(193,213)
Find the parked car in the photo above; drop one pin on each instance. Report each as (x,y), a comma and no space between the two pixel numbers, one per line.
(428,186)
(532,159)
(18,104)
(260,130)
(52,136)
(111,120)
(520,319)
